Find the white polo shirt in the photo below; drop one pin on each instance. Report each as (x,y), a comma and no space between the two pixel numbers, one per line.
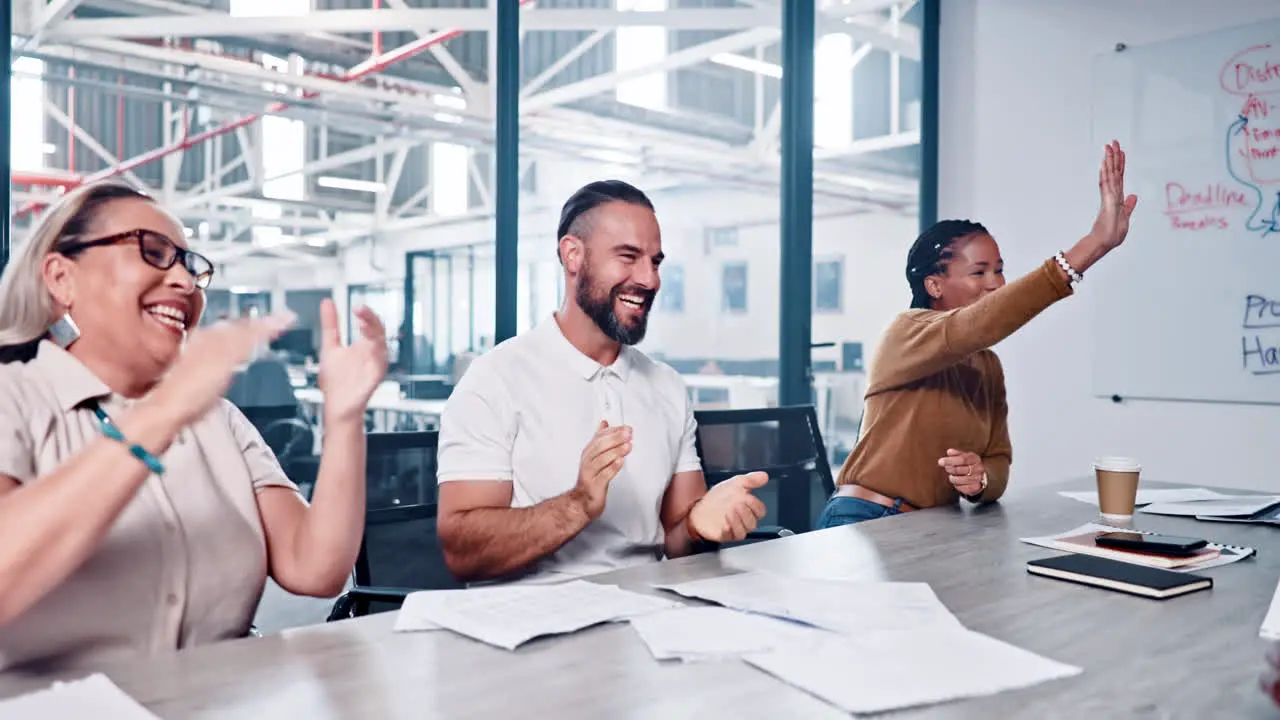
(524,412)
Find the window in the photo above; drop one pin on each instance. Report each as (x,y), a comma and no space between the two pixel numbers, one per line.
(250,303)
(833,91)
(284,145)
(637,47)
(286,139)
(671,294)
(828,285)
(26,141)
(450,179)
(387,300)
(733,290)
(716,237)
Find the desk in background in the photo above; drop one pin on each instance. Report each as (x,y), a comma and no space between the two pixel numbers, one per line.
(1196,656)
(390,411)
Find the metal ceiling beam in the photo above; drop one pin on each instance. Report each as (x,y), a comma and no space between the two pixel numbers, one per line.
(249,69)
(563,62)
(54,14)
(861,29)
(869,145)
(87,139)
(681,58)
(424,19)
(849,8)
(132,8)
(352,156)
(372,65)
(212,25)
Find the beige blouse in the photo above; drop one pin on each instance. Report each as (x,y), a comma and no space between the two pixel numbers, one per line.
(185,562)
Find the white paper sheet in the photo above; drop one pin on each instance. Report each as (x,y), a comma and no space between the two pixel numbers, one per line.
(1227,553)
(881,671)
(712,633)
(839,605)
(1226,506)
(508,616)
(1147,496)
(1271,623)
(92,697)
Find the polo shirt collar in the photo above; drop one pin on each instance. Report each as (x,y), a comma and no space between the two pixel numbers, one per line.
(573,358)
(73,383)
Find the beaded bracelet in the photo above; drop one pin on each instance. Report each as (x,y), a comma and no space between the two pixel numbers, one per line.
(1076,278)
(110,430)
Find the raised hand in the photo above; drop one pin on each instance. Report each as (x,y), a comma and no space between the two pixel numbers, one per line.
(1112,223)
(729,511)
(965,470)
(350,373)
(601,462)
(209,361)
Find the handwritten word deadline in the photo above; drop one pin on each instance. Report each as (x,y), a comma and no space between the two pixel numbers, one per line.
(1200,208)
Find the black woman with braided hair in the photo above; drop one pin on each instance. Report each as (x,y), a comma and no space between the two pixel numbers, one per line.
(935,426)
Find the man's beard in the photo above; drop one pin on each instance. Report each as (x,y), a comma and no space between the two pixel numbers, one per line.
(601,309)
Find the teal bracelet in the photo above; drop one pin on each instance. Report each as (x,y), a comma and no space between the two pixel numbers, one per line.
(110,430)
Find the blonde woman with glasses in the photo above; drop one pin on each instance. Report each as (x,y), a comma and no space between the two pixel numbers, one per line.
(140,512)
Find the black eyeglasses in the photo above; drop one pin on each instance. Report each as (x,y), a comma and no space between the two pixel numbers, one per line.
(157,251)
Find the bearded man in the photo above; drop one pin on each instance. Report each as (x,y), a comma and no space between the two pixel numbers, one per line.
(565,451)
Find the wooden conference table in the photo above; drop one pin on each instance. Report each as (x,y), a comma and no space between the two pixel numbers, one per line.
(1196,656)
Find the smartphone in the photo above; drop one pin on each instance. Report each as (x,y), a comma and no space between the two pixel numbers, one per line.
(1161,544)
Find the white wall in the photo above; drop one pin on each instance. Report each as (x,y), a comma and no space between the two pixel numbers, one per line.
(1016,153)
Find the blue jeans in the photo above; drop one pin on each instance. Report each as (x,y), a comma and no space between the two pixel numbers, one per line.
(842,510)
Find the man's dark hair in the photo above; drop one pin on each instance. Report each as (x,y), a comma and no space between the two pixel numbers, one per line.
(931,252)
(575,215)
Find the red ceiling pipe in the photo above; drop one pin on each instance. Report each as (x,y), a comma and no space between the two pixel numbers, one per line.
(39,179)
(372,65)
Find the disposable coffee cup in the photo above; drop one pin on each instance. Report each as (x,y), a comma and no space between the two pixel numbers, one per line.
(1117,486)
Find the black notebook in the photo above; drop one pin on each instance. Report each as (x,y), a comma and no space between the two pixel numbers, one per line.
(1124,577)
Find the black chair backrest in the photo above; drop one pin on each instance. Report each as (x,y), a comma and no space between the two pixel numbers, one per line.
(784,442)
(401,468)
(263,417)
(400,547)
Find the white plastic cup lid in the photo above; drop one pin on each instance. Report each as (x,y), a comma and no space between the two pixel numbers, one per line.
(1117,464)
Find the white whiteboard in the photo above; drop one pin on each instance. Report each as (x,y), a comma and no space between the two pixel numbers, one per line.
(1189,307)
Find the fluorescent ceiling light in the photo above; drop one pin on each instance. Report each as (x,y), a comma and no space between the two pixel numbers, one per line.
(317,242)
(447,118)
(742,62)
(242,290)
(341,183)
(49,148)
(453,102)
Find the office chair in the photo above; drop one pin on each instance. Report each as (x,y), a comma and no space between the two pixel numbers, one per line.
(784,442)
(399,552)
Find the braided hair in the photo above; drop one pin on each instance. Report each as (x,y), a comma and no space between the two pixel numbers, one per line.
(931,252)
